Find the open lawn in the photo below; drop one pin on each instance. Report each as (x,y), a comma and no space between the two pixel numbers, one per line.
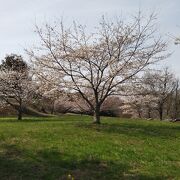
(70,147)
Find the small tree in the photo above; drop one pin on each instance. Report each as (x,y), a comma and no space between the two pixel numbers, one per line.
(160,84)
(101,61)
(15,82)
(140,104)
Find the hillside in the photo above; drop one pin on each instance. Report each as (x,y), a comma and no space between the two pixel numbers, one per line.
(70,147)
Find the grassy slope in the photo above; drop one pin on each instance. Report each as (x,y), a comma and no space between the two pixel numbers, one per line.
(118,149)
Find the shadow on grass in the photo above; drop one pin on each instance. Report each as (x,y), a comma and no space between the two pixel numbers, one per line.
(137,130)
(18,164)
(41,119)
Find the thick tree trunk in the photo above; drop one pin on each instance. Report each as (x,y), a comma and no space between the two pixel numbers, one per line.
(161,113)
(96,117)
(20,113)
(161,110)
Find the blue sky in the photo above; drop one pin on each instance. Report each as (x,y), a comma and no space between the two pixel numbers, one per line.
(17,19)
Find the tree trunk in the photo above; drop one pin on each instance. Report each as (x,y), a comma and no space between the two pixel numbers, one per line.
(20,110)
(96,115)
(161,113)
(52,109)
(149,113)
(139,114)
(20,113)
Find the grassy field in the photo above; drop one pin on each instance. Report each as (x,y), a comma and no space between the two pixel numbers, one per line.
(70,147)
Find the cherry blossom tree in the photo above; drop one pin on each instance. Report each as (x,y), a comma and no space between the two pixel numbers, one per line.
(101,61)
(161,85)
(141,105)
(15,82)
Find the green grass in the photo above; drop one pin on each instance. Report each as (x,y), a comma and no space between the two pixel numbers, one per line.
(55,148)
